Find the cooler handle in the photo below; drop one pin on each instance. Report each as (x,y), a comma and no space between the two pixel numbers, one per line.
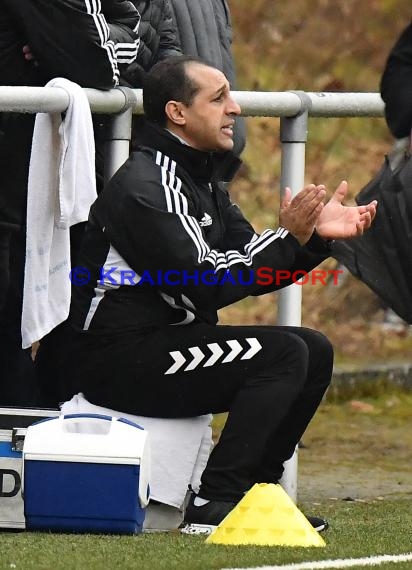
(93,416)
(89,416)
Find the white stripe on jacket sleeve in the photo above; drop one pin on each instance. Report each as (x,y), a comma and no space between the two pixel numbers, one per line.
(176,203)
(120,52)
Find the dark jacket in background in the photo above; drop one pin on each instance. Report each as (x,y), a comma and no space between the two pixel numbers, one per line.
(157,31)
(66,41)
(396,86)
(68,38)
(204,29)
(381,258)
(157,40)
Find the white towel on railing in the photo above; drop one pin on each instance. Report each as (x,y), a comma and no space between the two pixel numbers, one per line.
(61,189)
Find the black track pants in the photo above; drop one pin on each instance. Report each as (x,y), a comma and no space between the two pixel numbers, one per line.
(270,380)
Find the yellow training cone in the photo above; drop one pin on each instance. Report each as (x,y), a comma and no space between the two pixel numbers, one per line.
(266,516)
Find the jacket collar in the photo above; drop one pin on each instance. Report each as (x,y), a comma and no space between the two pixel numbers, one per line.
(208,166)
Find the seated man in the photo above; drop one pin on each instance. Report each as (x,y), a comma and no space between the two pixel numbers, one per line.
(164,250)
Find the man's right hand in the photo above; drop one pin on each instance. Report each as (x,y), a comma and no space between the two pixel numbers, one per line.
(300,214)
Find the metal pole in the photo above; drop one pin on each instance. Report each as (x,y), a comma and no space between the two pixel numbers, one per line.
(117,147)
(293,136)
(254,103)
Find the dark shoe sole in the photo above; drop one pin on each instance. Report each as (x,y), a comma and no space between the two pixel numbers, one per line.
(321,527)
(206,529)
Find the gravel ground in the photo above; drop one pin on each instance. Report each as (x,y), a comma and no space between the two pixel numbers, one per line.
(359,450)
(363,484)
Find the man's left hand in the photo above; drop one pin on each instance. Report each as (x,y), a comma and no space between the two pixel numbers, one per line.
(337,221)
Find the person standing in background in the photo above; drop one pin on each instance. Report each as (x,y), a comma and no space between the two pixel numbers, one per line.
(87,43)
(396,86)
(396,92)
(381,259)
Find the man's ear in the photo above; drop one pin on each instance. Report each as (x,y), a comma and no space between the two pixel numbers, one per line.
(175,113)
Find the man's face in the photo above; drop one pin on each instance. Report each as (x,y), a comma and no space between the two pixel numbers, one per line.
(209,119)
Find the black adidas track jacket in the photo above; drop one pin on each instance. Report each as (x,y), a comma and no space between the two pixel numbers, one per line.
(164,211)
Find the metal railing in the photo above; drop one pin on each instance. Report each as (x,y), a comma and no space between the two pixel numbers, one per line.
(293,107)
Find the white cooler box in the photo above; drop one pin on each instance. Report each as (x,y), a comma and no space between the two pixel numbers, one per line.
(86,473)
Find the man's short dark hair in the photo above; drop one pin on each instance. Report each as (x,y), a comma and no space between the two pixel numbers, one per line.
(168,81)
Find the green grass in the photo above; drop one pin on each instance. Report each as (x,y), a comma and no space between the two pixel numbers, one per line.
(357,530)
(342,441)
